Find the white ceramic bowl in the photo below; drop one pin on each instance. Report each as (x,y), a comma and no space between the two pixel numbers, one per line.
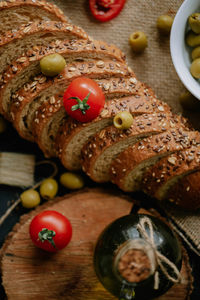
(180,53)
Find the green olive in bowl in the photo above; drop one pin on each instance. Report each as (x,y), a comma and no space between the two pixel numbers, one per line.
(192,39)
(195,53)
(195,68)
(194,22)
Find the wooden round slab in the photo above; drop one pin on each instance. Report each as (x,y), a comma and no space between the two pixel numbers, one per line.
(29,273)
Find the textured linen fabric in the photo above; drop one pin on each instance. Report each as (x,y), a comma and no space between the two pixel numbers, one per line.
(154,67)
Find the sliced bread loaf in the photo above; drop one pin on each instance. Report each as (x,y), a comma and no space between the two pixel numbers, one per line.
(74,135)
(14,44)
(27,66)
(51,114)
(32,95)
(185,193)
(160,178)
(105,146)
(14,13)
(128,169)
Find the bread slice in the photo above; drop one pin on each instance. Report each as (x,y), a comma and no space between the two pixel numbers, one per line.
(105,146)
(27,66)
(159,179)
(14,44)
(51,114)
(128,169)
(32,95)
(185,193)
(14,13)
(74,135)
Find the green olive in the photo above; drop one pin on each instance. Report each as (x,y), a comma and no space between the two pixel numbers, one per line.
(30,198)
(49,188)
(72,181)
(194,22)
(164,24)
(192,39)
(189,102)
(52,64)
(138,41)
(123,120)
(2,125)
(195,53)
(195,68)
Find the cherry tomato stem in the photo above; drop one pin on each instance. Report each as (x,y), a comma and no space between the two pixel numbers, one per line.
(84,99)
(50,231)
(47,235)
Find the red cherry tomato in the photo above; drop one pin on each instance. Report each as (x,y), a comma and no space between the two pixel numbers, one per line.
(50,230)
(105,10)
(83,99)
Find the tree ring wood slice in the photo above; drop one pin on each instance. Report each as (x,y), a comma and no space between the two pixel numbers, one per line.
(29,273)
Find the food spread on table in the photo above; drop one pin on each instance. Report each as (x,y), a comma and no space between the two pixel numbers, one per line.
(77,98)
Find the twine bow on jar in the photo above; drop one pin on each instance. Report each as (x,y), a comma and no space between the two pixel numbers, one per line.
(144,224)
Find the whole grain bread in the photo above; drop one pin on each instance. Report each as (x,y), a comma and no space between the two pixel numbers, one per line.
(185,193)
(99,153)
(14,44)
(128,169)
(14,13)
(168,154)
(27,66)
(169,170)
(27,100)
(51,114)
(73,134)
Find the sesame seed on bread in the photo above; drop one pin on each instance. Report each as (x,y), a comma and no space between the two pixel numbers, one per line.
(73,134)
(185,193)
(27,66)
(14,13)
(28,99)
(51,114)
(105,146)
(14,44)
(128,169)
(165,173)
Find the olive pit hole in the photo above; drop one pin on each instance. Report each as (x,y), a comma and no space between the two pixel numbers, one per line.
(136,36)
(119,121)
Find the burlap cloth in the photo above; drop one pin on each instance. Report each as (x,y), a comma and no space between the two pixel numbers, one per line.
(153,67)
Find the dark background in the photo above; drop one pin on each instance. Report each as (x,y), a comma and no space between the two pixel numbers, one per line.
(10,142)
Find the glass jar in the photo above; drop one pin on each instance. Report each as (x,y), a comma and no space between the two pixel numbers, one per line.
(126,263)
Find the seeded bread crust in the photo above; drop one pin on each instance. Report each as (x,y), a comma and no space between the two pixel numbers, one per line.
(169,170)
(105,146)
(52,112)
(144,104)
(34,34)
(22,99)
(41,7)
(186,193)
(21,70)
(127,170)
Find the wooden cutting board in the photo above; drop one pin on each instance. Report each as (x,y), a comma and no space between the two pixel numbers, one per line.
(29,273)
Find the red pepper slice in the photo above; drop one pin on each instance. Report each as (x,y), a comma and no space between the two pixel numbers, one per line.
(106,10)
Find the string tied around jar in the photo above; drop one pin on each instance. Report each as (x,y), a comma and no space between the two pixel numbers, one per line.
(163,262)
